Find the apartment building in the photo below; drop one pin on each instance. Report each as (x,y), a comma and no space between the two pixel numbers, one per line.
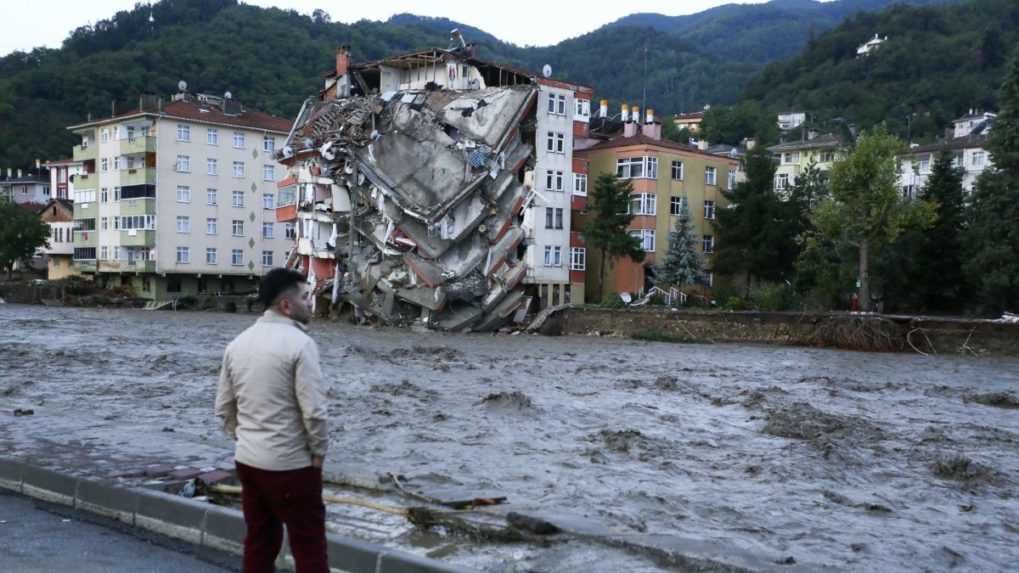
(179,198)
(966,142)
(58,214)
(62,174)
(31,187)
(560,113)
(794,157)
(665,177)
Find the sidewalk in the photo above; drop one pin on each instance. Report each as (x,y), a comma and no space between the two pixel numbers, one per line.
(38,537)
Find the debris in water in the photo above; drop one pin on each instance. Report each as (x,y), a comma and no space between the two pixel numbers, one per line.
(23,412)
(958,467)
(1006,400)
(516,400)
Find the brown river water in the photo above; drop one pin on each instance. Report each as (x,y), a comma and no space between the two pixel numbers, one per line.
(656,456)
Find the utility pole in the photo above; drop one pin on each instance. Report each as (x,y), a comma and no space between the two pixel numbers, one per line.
(643,98)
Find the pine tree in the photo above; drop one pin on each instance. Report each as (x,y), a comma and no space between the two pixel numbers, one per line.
(682,265)
(992,239)
(607,230)
(940,257)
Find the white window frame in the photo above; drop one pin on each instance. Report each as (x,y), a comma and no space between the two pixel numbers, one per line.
(781,181)
(237,227)
(183,255)
(211,226)
(708,244)
(183,164)
(709,210)
(268,173)
(646,237)
(731,181)
(268,200)
(211,256)
(268,144)
(580,184)
(269,259)
(212,136)
(211,197)
(183,194)
(183,225)
(578,259)
(238,169)
(237,257)
(233,199)
(239,140)
(549,217)
(560,142)
(711,176)
(646,204)
(183,132)
(676,164)
(290,230)
(212,166)
(268,226)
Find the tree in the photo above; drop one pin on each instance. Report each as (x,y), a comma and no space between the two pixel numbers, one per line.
(682,265)
(21,233)
(673,133)
(992,238)
(607,230)
(941,256)
(754,236)
(865,210)
(733,124)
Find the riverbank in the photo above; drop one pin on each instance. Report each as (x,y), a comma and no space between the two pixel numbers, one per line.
(844,331)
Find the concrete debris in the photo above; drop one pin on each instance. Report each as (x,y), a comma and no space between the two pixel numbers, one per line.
(417,197)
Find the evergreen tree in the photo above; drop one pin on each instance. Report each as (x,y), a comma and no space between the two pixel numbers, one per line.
(607,230)
(992,240)
(941,256)
(682,265)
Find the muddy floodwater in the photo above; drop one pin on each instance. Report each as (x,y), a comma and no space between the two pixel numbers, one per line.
(760,457)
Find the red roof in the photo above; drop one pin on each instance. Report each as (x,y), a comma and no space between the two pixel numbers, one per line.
(249,118)
(641,139)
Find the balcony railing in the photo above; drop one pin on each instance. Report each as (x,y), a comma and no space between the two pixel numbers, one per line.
(137,176)
(138,145)
(89,153)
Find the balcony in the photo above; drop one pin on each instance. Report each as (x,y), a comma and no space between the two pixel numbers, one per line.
(85,153)
(137,238)
(138,145)
(139,206)
(86,238)
(86,181)
(85,210)
(139,176)
(85,266)
(135,266)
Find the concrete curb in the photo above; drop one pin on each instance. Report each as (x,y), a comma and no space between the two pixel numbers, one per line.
(199,523)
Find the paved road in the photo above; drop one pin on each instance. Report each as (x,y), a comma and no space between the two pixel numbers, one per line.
(36,537)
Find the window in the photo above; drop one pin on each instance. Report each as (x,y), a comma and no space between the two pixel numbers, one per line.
(793,157)
(210,255)
(731,181)
(238,198)
(104,224)
(827,156)
(677,205)
(560,143)
(212,166)
(561,108)
(86,196)
(116,253)
(559,181)
(551,103)
(183,224)
(183,194)
(136,223)
(104,164)
(709,210)
(558,218)
(549,217)
(238,140)
(183,255)
(646,237)
(238,169)
(268,144)
(643,204)
(287,196)
(236,257)
(266,258)
(289,230)
(637,167)
(238,228)
(210,196)
(580,184)
(104,136)
(781,181)
(105,194)
(267,200)
(104,253)
(116,193)
(183,132)
(978,158)
(578,259)
(553,256)
(925,165)
(211,226)
(267,230)
(710,176)
(549,179)
(116,223)
(268,173)
(708,244)
(183,164)
(677,170)
(550,142)
(652,167)
(212,136)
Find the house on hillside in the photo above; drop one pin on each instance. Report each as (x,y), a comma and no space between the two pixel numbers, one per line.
(795,157)
(966,141)
(870,46)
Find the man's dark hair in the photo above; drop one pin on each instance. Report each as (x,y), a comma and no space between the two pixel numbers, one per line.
(276,282)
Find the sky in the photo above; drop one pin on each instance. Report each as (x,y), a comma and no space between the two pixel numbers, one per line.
(27,25)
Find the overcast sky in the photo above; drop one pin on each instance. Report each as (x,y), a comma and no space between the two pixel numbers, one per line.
(26,25)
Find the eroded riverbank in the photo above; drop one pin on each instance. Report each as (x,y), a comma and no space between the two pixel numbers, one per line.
(796,458)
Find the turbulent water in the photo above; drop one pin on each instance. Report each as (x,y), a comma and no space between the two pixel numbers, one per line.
(764,457)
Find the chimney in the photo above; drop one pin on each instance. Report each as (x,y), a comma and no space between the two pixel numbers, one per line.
(702,144)
(749,143)
(37,164)
(624,113)
(635,113)
(604,111)
(649,115)
(652,131)
(19,174)
(342,60)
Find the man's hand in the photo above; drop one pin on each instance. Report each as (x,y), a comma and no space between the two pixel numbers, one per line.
(316,461)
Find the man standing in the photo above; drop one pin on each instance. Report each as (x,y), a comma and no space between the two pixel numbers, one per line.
(270,400)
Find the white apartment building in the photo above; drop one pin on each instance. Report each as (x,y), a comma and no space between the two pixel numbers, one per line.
(25,188)
(967,145)
(62,177)
(179,199)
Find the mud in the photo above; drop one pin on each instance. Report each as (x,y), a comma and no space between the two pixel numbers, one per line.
(649,456)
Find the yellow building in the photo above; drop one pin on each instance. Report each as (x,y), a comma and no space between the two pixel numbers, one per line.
(664,176)
(690,121)
(795,157)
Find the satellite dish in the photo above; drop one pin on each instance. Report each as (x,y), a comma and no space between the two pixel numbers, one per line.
(182,86)
(228,95)
(546,71)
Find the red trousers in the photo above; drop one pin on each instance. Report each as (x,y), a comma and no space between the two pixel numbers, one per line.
(272,499)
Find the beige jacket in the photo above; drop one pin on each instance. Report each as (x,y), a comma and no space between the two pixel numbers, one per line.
(270,395)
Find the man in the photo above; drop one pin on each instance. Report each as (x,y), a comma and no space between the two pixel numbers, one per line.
(271,403)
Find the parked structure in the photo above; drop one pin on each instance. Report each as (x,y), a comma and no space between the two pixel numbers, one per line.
(966,141)
(179,198)
(459,162)
(59,215)
(665,175)
(31,187)
(795,157)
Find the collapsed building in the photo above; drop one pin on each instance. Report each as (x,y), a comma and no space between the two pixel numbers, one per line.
(411,191)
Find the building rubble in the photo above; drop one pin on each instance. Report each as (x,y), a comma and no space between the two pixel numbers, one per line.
(417,195)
